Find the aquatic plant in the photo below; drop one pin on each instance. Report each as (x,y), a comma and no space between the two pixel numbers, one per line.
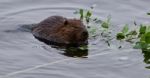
(95,26)
(106,24)
(127,35)
(84,14)
(139,36)
(144,38)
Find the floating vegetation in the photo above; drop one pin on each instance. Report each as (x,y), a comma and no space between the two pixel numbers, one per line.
(139,36)
(95,26)
(85,14)
(127,35)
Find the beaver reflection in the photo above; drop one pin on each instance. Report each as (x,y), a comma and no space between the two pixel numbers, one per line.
(76,51)
(69,50)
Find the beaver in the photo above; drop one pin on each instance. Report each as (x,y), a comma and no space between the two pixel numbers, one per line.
(59,30)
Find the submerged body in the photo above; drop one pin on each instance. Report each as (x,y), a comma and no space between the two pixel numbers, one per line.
(60,30)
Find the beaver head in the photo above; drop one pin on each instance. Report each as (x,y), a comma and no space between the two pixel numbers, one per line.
(58,29)
(74,31)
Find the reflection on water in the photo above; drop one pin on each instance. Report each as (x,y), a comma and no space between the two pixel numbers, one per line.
(76,51)
(69,50)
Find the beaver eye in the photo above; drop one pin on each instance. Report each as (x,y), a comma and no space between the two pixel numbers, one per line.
(66,22)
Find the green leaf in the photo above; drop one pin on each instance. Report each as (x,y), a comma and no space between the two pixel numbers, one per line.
(88,14)
(148,67)
(142,29)
(148,13)
(144,45)
(125,29)
(137,45)
(134,32)
(81,11)
(147,37)
(105,24)
(142,38)
(141,45)
(120,36)
(148,29)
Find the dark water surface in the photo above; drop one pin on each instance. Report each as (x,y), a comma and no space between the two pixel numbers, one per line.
(23,56)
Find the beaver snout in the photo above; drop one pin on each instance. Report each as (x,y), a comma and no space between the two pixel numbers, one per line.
(84,36)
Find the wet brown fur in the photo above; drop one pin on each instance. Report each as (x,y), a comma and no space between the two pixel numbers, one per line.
(61,30)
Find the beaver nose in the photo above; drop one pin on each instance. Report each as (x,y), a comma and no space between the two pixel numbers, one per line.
(84,35)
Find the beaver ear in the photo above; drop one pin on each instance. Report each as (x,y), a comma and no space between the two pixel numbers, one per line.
(66,22)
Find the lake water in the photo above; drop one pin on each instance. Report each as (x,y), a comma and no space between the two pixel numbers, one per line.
(23,56)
